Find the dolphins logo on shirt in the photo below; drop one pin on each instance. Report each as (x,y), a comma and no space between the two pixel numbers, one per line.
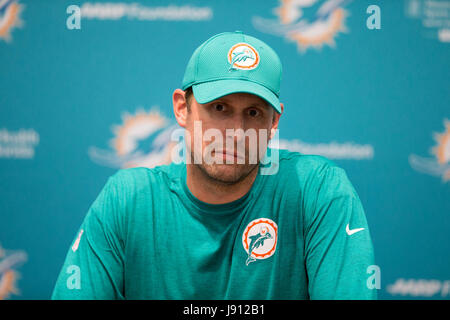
(260,239)
(256,241)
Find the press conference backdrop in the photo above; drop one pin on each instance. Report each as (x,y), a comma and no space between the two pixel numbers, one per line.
(85,90)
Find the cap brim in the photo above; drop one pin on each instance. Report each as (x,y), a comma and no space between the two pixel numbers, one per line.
(208,91)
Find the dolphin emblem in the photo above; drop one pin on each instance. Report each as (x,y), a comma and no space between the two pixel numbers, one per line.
(241,56)
(4,6)
(256,241)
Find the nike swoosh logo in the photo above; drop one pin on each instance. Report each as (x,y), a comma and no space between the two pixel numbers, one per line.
(353,231)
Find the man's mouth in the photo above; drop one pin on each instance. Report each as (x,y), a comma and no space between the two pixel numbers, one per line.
(230,155)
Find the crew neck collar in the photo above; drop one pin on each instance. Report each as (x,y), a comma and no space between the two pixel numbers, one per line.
(218,209)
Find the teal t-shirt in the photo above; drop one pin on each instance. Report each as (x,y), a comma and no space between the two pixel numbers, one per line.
(296,234)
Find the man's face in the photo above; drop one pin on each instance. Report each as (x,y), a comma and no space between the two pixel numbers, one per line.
(244,122)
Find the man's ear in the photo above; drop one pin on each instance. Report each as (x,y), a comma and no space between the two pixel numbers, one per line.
(179,106)
(276,119)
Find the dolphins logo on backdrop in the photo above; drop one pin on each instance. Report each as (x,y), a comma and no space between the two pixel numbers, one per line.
(260,239)
(10,11)
(440,164)
(142,140)
(309,23)
(9,261)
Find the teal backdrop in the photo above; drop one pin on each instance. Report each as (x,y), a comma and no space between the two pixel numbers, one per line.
(365,83)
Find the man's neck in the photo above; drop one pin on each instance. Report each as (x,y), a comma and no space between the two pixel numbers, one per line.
(215,192)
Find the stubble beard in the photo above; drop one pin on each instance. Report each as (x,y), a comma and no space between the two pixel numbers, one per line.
(225,174)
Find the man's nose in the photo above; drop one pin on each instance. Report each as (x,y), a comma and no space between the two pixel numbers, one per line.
(236,128)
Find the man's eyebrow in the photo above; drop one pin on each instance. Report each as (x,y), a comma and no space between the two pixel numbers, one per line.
(261,103)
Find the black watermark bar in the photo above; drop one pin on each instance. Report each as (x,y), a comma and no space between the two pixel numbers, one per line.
(215,309)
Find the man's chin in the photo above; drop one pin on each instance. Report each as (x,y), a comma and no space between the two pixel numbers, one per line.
(227,173)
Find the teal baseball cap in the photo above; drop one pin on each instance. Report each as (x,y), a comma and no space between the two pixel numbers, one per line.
(232,62)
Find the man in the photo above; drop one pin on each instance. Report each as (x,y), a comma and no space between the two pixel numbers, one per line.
(238,220)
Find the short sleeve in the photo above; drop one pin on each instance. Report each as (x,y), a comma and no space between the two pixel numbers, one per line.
(93,268)
(338,246)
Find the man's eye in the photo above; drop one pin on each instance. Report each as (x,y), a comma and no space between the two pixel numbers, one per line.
(253,113)
(219,107)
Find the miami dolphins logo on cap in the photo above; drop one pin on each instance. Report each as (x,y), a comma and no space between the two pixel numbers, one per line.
(260,239)
(243,56)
